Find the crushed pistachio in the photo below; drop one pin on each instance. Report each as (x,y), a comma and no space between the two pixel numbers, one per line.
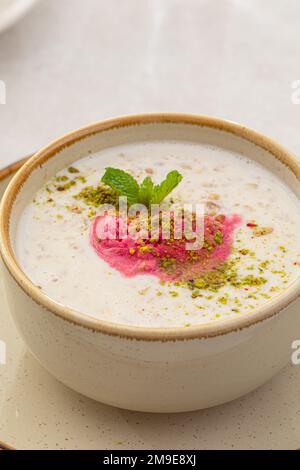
(61,179)
(173,293)
(223,300)
(72,169)
(264,264)
(91,213)
(82,179)
(195,294)
(275,289)
(250,281)
(95,196)
(145,249)
(66,186)
(218,237)
(166,263)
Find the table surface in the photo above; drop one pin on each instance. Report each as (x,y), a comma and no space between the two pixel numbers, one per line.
(71,62)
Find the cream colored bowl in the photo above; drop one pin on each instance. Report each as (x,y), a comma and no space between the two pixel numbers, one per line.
(149,369)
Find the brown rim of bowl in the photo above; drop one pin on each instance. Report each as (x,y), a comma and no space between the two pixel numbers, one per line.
(220,327)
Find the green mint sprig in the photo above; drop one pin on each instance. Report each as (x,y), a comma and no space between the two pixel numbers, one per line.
(147,192)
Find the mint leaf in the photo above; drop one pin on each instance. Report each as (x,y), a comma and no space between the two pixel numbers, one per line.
(146,190)
(147,193)
(161,191)
(122,182)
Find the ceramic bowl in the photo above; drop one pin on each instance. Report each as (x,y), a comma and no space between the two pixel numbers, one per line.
(149,369)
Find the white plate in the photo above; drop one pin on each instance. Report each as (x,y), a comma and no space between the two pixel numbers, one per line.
(12,10)
(37,412)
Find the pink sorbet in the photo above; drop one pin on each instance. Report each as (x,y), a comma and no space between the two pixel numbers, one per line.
(167,259)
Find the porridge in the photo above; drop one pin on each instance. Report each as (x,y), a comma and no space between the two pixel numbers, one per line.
(250,237)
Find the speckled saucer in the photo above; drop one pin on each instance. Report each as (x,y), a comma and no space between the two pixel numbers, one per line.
(37,412)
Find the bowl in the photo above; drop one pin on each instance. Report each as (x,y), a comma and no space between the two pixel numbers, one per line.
(140,368)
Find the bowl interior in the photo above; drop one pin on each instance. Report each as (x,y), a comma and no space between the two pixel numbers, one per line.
(65,151)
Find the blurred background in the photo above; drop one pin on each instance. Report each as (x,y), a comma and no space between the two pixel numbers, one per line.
(67,63)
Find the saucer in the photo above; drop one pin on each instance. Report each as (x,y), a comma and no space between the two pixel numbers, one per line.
(37,412)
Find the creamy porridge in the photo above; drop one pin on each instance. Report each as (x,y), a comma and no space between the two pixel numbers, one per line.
(250,254)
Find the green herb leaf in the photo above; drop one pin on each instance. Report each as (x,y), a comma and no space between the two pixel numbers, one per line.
(122,182)
(218,237)
(146,190)
(162,190)
(147,193)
